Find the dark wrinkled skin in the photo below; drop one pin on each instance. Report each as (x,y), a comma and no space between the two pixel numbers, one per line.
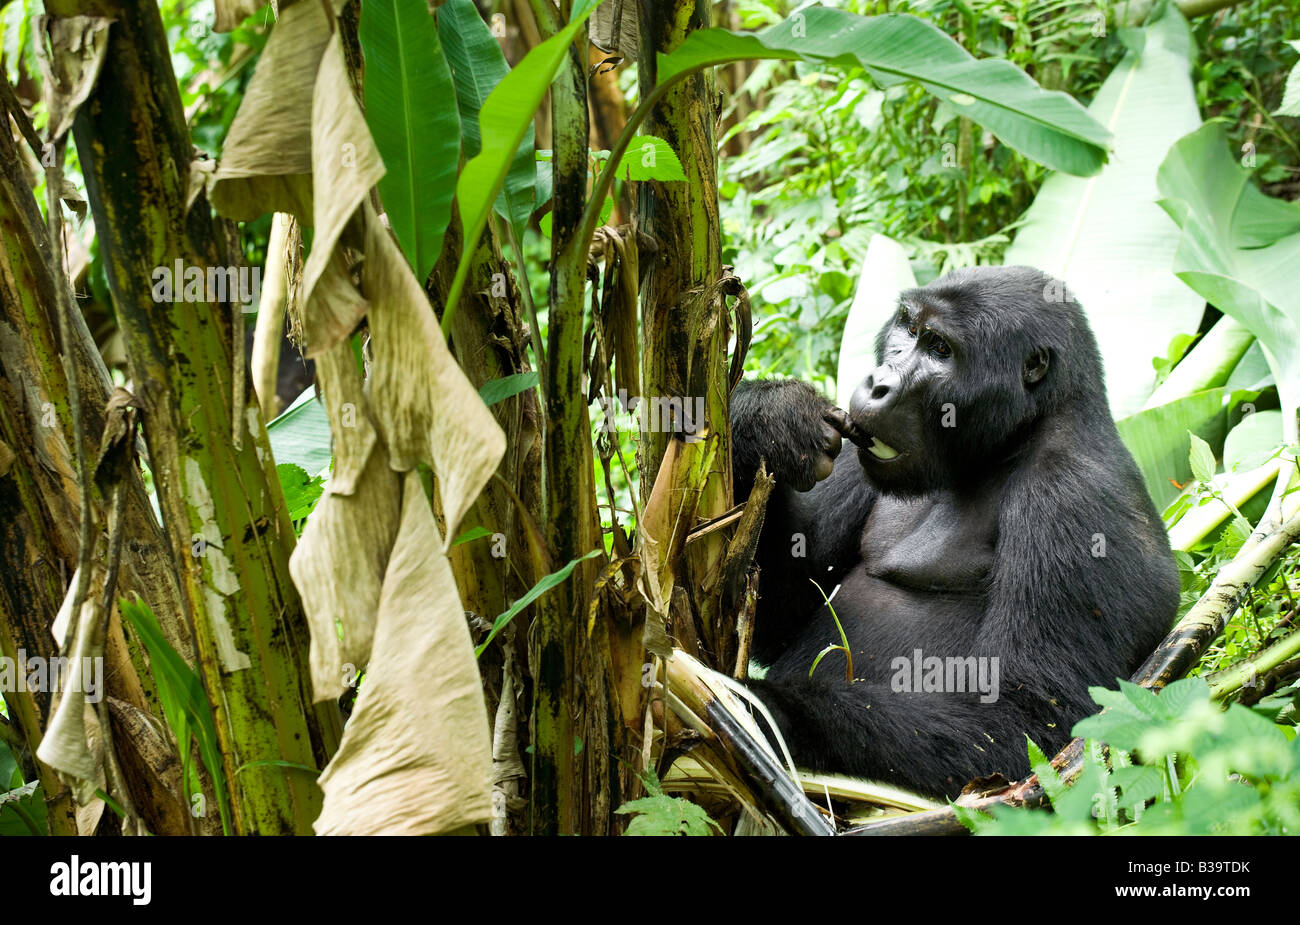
(1012,523)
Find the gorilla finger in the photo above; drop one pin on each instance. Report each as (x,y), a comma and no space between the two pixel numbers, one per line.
(832,443)
(839,419)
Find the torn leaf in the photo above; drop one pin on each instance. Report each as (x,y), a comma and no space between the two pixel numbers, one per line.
(416,754)
(266,159)
(424,406)
(338,567)
(70,50)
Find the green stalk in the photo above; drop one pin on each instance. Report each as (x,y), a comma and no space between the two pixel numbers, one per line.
(569,492)
(1231,680)
(1236,488)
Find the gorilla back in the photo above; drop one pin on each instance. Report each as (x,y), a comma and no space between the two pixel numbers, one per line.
(992,545)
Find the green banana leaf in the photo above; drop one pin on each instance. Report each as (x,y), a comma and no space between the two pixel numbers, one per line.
(504,121)
(301,435)
(1105,236)
(1157,438)
(477,65)
(411,113)
(1211,199)
(1048,126)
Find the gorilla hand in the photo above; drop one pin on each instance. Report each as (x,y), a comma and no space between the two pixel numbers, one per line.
(839,419)
(788,425)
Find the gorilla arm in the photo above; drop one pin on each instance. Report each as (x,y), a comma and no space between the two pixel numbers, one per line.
(811,528)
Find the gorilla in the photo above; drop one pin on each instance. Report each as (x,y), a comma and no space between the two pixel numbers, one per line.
(990,553)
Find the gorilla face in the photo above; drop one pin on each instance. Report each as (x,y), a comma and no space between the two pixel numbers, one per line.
(960,369)
(895,405)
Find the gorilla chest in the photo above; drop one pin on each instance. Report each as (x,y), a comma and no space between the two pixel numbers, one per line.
(938,543)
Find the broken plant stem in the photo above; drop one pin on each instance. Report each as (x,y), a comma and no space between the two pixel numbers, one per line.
(1206,619)
(1247,672)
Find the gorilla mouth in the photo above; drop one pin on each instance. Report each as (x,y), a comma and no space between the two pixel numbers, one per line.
(880,450)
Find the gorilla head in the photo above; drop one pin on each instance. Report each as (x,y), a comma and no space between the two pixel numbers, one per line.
(966,365)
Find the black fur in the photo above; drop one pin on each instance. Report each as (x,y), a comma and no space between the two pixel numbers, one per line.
(1013,524)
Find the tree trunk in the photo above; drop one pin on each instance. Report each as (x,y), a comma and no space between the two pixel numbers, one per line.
(685,331)
(226,522)
(39,493)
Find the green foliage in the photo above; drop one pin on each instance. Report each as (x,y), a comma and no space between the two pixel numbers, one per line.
(185,705)
(1209,771)
(659,814)
(504,121)
(301,491)
(478,66)
(1238,247)
(1291,97)
(1241,73)
(507,387)
(1158,439)
(22,804)
(301,434)
(1202,459)
(1266,613)
(412,115)
(843,643)
(893,49)
(543,585)
(649,158)
(1179,344)
(22,811)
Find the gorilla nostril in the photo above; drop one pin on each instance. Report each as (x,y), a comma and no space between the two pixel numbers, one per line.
(880,391)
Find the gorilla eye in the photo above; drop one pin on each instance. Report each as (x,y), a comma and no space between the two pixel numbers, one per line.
(941,348)
(911,328)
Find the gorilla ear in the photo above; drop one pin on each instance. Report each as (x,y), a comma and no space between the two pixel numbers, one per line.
(1036,365)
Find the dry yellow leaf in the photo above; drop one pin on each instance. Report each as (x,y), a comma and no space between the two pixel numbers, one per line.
(345,164)
(70,64)
(350,427)
(425,408)
(333,307)
(416,754)
(338,568)
(266,160)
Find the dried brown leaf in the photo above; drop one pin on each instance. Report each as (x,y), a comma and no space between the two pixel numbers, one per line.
(338,568)
(333,307)
(70,64)
(425,408)
(345,164)
(266,162)
(350,426)
(416,754)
